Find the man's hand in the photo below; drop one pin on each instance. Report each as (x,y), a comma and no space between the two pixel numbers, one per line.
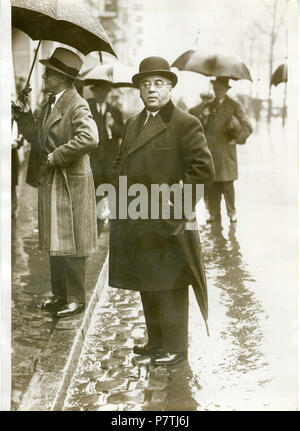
(14,144)
(191,221)
(21,105)
(50,160)
(109,120)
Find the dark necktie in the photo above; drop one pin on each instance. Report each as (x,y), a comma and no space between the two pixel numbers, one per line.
(149,119)
(51,100)
(218,104)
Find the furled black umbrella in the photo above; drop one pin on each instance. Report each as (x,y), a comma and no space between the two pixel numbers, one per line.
(191,247)
(212,64)
(280,75)
(70,22)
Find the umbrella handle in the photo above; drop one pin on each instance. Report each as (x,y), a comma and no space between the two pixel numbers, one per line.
(33,63)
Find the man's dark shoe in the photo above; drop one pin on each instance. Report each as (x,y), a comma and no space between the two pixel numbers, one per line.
(53,304)
(145,350)
(70,310)
(168,358)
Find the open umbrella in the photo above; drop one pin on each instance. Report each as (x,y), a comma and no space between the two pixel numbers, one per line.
(96,75)
(280,75)
(121,74)
(212,64)
(65,21)
(117,73)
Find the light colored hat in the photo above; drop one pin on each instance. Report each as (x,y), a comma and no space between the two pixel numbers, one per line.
(97,76)
(65,62)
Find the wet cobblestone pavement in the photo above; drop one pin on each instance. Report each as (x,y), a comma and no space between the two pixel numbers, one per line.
(110,377)
(249,360)
(31,327)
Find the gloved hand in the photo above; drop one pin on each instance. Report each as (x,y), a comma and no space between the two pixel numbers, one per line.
(21,105)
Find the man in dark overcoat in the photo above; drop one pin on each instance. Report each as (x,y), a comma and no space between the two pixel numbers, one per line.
(110,128)
(226,124)
(161,145)
(61,139)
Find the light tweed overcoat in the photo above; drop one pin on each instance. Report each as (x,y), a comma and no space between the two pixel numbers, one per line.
(66,194)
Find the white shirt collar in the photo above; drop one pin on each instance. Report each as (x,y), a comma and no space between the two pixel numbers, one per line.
(101,106)
(221,100)
(148,113)
(58,95)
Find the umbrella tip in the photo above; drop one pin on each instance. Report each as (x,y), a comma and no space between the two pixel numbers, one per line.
(207,329)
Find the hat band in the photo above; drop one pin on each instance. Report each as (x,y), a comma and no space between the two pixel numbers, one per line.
(60,65)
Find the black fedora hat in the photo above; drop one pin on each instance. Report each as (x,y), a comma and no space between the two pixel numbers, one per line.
(64,61)
(154,66)
(224,80)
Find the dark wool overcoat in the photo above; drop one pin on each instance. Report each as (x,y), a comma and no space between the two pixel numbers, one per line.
(104,155)
(146,254)
(215,126)
(66,193)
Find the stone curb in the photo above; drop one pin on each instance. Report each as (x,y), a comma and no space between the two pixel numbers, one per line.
(74,355)
(49,384)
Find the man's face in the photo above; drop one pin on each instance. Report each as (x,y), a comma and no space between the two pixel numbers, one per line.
(52,81)
(220,90)
(100,92)
(155,91)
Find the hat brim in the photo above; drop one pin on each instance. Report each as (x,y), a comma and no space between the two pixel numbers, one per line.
(97,82)
(46,63)
(214,81)
(138,76)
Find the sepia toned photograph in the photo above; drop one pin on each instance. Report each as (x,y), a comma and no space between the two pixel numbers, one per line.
(149,207)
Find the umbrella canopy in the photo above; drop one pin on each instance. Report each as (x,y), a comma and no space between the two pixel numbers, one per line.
(212,64)
(121,74)
(280,75)
(117,73)
(66,21)
(96,75)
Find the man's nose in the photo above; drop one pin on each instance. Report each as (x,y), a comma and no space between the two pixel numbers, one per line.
(152,87)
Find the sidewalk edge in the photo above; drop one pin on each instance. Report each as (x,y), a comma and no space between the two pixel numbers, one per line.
(74,354)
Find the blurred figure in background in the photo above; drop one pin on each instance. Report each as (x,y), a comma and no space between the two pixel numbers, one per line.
(226,124)
(205,98)
(17,142)
(110,128)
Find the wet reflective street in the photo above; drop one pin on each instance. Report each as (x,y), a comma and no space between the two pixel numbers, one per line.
(249,360)
(31,327)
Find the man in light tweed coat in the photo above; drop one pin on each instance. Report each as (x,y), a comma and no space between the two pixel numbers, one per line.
(61,139)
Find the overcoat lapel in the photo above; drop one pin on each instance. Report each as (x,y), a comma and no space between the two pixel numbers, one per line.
(58,110)
(148,132)
(223,107)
